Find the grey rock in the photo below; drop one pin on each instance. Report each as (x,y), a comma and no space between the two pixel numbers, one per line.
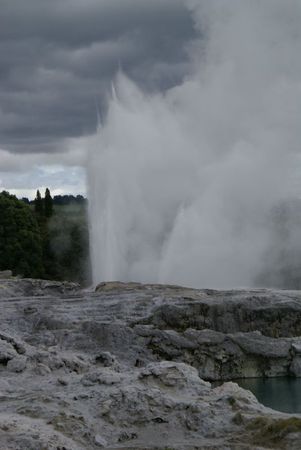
(296,347)
(17,364)
(18,345)
(63,381)
(100,441)
(28,287)
(41,369)
(295,367)
(106,377)
(4,385)
(128,366)
(177,375)
(106,359)
(7,352)
(74,363)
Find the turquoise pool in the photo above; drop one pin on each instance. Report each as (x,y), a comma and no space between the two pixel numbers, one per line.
(283,394)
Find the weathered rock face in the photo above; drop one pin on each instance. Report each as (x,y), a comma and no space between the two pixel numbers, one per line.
(224,334)
(124,367)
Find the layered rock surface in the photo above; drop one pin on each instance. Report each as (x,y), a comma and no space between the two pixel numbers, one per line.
(128,366)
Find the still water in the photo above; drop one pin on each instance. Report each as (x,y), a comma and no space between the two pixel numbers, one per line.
(283,394)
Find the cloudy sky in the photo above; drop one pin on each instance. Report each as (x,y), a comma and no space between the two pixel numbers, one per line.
(58,59)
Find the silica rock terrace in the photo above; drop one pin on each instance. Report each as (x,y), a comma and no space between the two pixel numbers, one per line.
(127,366)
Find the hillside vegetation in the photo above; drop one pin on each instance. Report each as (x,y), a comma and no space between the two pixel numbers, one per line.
(47,238)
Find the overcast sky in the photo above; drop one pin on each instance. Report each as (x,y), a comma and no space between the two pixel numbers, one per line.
(58,59)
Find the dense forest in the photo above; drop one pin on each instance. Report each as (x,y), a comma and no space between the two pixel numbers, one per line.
(46,238)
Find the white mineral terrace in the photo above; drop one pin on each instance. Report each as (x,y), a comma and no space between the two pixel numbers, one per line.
(127,366)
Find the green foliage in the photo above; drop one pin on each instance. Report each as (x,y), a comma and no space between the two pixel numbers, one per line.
(69,200)
(44,241)
(39,204)
(48,204)
(20,238)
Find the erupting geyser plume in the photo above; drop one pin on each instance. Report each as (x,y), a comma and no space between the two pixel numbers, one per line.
(182,183)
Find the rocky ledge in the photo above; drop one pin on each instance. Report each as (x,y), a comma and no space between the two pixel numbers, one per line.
(129,366)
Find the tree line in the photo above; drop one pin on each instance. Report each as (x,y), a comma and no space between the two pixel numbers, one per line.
(61,200)
(44,238)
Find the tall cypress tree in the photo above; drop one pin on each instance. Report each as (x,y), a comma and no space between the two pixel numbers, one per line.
(38,204)
(48,204)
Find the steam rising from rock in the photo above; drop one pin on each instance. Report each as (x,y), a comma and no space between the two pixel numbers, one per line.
(182,184)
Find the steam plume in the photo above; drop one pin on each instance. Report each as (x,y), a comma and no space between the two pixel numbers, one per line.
(182,184)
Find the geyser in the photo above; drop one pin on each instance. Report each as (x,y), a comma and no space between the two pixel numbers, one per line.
(182,184)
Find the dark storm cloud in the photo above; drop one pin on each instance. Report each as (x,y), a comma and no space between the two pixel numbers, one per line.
(58,58)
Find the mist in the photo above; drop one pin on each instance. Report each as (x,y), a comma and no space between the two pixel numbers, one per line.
(182,184)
